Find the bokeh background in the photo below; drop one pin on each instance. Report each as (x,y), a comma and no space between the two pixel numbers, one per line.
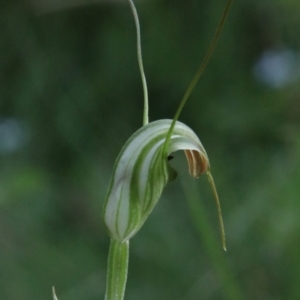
(71,95)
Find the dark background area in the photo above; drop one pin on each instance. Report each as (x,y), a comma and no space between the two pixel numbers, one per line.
(70,97)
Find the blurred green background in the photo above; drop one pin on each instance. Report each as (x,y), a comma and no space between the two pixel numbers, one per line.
(71,95)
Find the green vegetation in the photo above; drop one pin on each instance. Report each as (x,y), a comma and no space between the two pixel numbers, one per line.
(71,96)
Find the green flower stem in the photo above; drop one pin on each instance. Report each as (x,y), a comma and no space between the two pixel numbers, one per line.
(140,62)
(117,270)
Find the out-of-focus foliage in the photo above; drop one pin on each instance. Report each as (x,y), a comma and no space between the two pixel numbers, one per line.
(70,96)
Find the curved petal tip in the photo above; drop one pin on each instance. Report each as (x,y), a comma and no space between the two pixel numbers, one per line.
(197,162)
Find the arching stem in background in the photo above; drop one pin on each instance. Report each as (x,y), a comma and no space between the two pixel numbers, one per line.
(197,75)
(140,62)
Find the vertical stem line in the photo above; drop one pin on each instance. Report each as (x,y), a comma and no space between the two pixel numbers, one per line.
(117,270)
(140,62)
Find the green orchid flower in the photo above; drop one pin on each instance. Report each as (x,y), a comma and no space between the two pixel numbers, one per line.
(142,171)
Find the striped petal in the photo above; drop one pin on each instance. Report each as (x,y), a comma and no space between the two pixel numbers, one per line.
(141,172)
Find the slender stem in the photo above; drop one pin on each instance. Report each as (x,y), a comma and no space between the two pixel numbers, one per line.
(198,74)
(140,62)
(212,184)
(117,270)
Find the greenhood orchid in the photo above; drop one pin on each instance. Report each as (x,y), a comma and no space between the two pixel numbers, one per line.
(142,170)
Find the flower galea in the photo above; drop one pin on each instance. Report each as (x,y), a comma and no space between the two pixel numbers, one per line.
(142,171)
